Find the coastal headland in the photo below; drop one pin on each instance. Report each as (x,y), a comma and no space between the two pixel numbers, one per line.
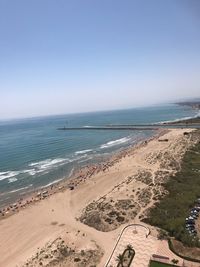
(76,223)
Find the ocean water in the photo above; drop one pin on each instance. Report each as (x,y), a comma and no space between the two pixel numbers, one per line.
(34,153)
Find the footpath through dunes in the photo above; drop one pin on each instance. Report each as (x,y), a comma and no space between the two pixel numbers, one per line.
(89,218)
(137,182)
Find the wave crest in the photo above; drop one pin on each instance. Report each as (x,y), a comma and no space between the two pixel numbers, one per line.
(181,119)
(115,142)
(8,174)
(83,151)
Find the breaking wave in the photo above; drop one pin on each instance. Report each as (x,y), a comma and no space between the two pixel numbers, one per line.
(54,182)
(180,119)
(83,151)
(48,163)
(8,174)
(20,189)
(115,142)
(41,167)
(36,167)
(12,180)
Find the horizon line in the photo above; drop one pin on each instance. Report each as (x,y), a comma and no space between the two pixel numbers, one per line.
(90,111)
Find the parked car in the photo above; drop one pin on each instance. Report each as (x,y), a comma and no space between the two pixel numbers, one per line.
(190,221)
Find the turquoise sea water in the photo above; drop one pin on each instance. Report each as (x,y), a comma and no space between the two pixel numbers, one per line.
(33,153)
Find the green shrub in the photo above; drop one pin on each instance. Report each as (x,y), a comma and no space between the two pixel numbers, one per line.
(184,189)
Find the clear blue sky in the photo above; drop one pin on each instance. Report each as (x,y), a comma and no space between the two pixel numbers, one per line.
(81,55)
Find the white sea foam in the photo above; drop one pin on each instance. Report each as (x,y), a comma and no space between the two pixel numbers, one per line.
(47,164)
(85,160)
(54,182)
(36,167)
(115,142)
(181,119)
(71,172)
(1,173)
(83,151)
(8,174)
(20,189)
(77,157)
(32,172)
(12,180)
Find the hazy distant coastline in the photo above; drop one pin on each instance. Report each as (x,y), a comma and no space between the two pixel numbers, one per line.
(195,104)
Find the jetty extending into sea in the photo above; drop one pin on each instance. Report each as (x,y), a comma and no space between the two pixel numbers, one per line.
(135,127)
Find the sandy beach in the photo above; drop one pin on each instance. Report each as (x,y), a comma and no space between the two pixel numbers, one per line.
(79,224)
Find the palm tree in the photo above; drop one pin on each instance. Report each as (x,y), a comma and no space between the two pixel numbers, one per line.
(120,260)
(174,261)
(129,248)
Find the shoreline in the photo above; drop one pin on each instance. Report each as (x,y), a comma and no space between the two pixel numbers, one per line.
(195,121)
(73,180)
(134,176)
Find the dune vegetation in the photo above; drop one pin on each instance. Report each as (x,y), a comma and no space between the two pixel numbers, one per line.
(183,191)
